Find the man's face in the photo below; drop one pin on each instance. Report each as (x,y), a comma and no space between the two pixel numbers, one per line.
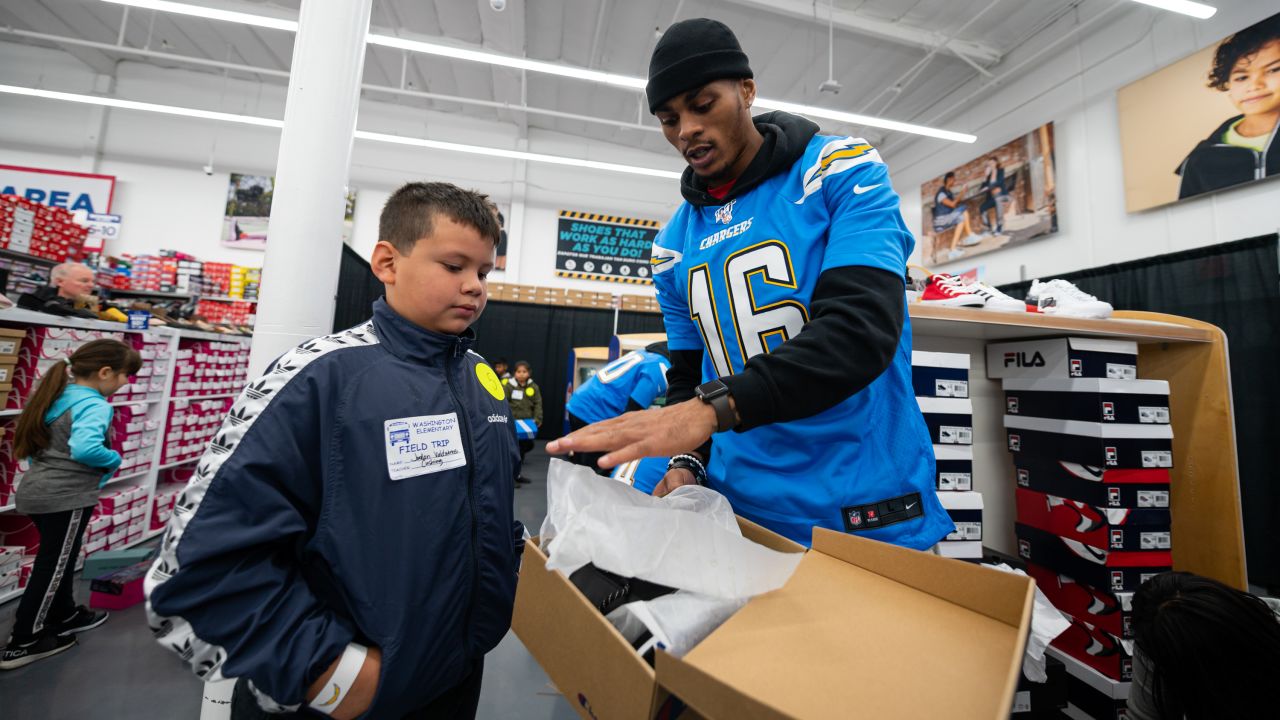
(76,282)
(1254,84)
(441,284)
(709,126)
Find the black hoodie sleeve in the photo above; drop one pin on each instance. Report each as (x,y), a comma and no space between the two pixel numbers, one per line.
(857,316)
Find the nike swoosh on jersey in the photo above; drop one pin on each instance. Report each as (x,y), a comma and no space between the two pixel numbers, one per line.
(858,189)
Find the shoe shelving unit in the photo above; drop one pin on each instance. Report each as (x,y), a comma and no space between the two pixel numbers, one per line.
(157,405)
(1191,355)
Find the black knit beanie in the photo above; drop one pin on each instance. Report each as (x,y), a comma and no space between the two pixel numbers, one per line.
(691,54)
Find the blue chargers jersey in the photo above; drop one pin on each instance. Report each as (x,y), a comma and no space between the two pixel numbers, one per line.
(643,474)
(736,280)
(639,375)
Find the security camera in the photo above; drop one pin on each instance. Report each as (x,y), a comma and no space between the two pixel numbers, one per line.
(829,86)
(208,169)
(498,5)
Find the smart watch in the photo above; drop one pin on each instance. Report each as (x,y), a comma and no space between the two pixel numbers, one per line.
(716,394)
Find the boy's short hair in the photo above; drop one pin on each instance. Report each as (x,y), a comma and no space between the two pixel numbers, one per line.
(1243,44)
(523,364)
(410,212)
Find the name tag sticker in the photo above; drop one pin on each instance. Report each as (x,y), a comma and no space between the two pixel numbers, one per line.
(423,445)
(517,394)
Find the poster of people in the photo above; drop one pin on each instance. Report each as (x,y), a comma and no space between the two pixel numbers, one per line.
(1204,123)
(244,225)
(1003,198)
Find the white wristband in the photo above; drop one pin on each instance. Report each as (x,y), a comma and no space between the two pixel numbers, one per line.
(332,694)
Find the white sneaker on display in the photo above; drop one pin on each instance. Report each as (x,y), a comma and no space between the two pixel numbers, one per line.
(971,240)
(1059,297)
(949,291)
(996,300)
(955,254)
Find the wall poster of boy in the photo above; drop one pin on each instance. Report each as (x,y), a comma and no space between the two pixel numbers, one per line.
(1005,197)
(1228,110)
(244,224)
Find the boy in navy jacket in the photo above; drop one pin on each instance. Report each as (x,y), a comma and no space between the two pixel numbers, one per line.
(347,543)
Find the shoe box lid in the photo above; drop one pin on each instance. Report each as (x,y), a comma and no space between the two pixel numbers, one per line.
(878,608)
(1066,357)
(1116,571)
(1109,445)
(938,374)
(1110,528)
(1089,399)
(1112,612)
(1114,488)
(950,420)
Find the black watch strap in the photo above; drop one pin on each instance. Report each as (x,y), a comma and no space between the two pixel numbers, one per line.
(716,394)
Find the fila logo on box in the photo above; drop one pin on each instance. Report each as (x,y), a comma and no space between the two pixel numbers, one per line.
(1108,411)
(1117,539)
(1113,496)
(1020,359)
(1077,367)
(1111,457)
(1024,477)
(1024,549)
(1117,580)
(1011,404)
(1015,442)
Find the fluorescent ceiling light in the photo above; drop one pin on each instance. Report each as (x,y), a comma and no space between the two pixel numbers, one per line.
(360,134)
(144,107)
(1186,7)
(569,71)
(211,13)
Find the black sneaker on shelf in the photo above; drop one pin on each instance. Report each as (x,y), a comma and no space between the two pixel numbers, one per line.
(83,619)
(16,656)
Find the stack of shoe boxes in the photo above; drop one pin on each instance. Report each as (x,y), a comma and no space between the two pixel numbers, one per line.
(190,426)
(1091,447)
(941,384)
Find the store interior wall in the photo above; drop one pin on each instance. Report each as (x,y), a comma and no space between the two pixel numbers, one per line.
(167,200)
(1076,90)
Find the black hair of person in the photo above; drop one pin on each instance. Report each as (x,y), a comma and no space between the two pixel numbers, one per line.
(1213,650)
(1243,44)
(410,213)
(522,364)
(947,177)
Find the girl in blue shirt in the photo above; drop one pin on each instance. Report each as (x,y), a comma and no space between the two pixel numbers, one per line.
(65,432)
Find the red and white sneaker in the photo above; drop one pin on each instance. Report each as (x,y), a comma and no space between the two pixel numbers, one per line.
(950,291)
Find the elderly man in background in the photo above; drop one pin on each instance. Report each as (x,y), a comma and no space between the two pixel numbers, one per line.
(69,292)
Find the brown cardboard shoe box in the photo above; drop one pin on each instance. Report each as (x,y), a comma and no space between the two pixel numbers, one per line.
(862,629)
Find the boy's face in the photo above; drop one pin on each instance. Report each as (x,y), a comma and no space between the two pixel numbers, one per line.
(441,285)
(522,374)
(500,368)
(1254,84)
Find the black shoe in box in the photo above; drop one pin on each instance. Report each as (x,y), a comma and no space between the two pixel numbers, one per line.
(937,374)
(954,466)
(1034,701)
(1116,488)
(1113,570)
(1144,402)
(950,420)
(1099,444)
(1110,528)
(1068,357)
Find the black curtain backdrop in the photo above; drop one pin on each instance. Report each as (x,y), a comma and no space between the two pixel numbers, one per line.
(541,334)
(1235,286)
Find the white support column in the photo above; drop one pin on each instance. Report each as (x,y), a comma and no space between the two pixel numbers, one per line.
(300,272)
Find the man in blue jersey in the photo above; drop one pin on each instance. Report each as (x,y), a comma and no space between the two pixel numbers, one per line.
(781,285)
(632,382)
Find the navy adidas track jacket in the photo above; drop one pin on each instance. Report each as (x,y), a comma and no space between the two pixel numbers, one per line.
(360,491)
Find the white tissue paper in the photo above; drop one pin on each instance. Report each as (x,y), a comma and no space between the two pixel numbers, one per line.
(688,540)
(1047,623)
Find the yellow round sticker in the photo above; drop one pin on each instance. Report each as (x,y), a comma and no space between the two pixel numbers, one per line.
(529,391)
(489,380)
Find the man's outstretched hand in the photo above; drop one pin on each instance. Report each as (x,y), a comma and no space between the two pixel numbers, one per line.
(659,432)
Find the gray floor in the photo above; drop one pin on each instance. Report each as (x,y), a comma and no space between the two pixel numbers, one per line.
(118,671)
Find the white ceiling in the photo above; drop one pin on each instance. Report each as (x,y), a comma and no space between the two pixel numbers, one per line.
(876,43)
